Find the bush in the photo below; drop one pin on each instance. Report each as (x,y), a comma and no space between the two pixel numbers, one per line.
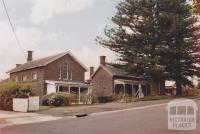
(58,99)
(103,99)
(114,98)
(121,98)
(94,99)
(10,90)
(193,92)
(88,99)
(45,100)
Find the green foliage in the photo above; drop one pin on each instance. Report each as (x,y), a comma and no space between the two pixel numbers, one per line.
(94,100)
(151,98)
(103,99)
(155,38)
(87,99)
(58,99)
(193,92)
(122,98)
(10,90)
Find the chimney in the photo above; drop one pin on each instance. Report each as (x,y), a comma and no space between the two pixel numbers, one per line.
(30,56)
(17,65)
(103,60)
(91,70)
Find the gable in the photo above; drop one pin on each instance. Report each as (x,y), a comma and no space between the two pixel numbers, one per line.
(103,68)
(67,59)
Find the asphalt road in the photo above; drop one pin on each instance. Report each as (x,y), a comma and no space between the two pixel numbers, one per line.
(139,121)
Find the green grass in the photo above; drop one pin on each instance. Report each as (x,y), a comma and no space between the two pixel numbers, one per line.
(151,98)
(162,97)
(42,108)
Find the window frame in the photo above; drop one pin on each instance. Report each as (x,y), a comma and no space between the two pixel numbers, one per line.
(16,79)
(66,71)
(71,75)
(60,73)
(26,78)
(32,74)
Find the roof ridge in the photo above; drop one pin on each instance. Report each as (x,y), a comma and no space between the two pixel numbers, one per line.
(38,62)
(44,62)
(46,57)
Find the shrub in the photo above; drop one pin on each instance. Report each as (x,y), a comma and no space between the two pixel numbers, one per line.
(45,100)
(87,99)
(127,98)
(193,92)
(114,98)
(94,100)
(10,90)
(103,99)
(58,99)
(121,98)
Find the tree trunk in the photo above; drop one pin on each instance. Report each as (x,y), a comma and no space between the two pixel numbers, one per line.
(178,88)
(153,88)
(157,87)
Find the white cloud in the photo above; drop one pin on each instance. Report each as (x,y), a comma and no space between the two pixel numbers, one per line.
(43,10)
(31,39)
(10,53)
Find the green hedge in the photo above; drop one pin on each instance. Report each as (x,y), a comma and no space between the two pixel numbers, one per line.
(58,99)
(10,90)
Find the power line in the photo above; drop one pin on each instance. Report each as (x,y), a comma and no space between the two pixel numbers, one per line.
(12,27)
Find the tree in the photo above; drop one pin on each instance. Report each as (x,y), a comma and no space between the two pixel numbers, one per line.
(136,39)
(155,38)
(196,6)
(181,58)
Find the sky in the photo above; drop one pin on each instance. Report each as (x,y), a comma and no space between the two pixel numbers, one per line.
(52,26)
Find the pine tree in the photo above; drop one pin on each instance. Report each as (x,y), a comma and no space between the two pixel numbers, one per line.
(196,6)
(181,58)
(135,38)
(155,38)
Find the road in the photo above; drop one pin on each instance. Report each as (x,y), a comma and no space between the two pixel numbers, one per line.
(150,120)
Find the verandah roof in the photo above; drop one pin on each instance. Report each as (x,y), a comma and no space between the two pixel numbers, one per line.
(66,83)
(123,81)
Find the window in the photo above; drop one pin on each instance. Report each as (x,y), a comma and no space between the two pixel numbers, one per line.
(66,71)
(16,79)
(24,78)
(60,73)
(71,76)
(34,76)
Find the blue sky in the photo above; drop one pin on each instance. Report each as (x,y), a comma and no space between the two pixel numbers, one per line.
(52,26)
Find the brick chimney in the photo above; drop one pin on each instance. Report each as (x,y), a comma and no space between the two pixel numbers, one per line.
(17,65)
(30,56)
(103,60)
(91,70)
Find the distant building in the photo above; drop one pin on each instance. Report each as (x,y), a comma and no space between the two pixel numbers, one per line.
(170,88)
